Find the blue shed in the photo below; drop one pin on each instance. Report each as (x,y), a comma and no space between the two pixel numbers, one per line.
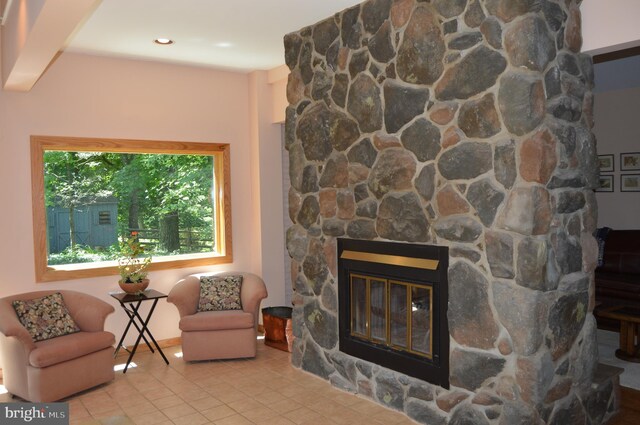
(96,225)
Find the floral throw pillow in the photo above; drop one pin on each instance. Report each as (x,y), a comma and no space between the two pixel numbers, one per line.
(220,293)
(45,317)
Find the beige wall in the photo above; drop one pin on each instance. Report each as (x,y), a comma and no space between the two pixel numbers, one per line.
(610,25)
(105,97)
(616,117)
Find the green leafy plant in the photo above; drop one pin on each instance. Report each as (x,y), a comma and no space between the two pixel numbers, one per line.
(133,267)
(81,254)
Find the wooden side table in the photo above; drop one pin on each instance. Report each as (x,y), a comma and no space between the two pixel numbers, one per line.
(629,318)
(130,303)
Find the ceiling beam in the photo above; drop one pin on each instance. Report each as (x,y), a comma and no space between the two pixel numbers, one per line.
(5,7)
(618,54)
(36,40)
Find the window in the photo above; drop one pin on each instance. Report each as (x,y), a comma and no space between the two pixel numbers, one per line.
(104,217)
(90,194)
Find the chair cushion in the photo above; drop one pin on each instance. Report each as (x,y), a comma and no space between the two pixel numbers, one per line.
(220,293)
(217,320)
(45,317)
(68,347)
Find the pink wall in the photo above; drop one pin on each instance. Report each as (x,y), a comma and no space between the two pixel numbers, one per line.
(105,97)
(278,78)
(266,160)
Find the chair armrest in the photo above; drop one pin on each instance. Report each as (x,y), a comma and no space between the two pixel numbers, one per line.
(89,312)
(10,326)
(185,295)
(253,291)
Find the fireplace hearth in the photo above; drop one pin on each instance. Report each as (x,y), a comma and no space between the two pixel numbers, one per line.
(393,304)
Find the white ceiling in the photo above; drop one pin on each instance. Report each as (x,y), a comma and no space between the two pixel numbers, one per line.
(253,28)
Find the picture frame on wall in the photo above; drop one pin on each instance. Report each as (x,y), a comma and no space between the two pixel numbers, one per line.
(606,163)
(630,183)
(605,183)
(630,161)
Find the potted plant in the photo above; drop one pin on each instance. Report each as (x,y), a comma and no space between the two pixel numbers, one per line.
(133,267)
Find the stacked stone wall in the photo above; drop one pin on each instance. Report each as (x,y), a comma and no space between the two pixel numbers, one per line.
(464,123)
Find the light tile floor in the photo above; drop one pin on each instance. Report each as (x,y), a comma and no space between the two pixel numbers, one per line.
(266,390)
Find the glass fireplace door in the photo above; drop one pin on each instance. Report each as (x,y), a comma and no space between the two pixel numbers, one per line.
(393,313)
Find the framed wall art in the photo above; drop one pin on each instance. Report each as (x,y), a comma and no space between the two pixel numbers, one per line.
(606,184)
(630,183)
(606,163)
(630,161)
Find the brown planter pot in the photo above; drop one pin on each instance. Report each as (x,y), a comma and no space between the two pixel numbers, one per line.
(278,332)
(288,330)
(134,288)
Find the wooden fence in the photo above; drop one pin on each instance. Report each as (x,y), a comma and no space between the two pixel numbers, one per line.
(190,240)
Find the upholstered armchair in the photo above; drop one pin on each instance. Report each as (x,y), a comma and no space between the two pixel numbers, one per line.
(55,368)
(226,334)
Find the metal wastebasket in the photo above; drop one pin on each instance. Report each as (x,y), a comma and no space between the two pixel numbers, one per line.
(278,332)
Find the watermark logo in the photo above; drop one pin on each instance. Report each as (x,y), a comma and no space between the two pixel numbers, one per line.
(34,413)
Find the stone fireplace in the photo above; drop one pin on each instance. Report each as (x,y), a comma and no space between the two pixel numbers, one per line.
(463,124)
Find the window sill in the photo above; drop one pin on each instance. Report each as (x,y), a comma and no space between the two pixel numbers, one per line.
(110,268)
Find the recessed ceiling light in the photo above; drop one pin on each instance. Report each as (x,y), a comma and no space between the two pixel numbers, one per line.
(224,44)
(163,41)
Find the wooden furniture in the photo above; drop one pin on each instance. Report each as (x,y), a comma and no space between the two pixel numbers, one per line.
(130,303)
(629,318)
(618,278)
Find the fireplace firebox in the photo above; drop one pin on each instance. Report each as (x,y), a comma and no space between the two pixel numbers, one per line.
(393,305)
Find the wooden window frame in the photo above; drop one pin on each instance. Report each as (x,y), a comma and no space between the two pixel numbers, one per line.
(222,189)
